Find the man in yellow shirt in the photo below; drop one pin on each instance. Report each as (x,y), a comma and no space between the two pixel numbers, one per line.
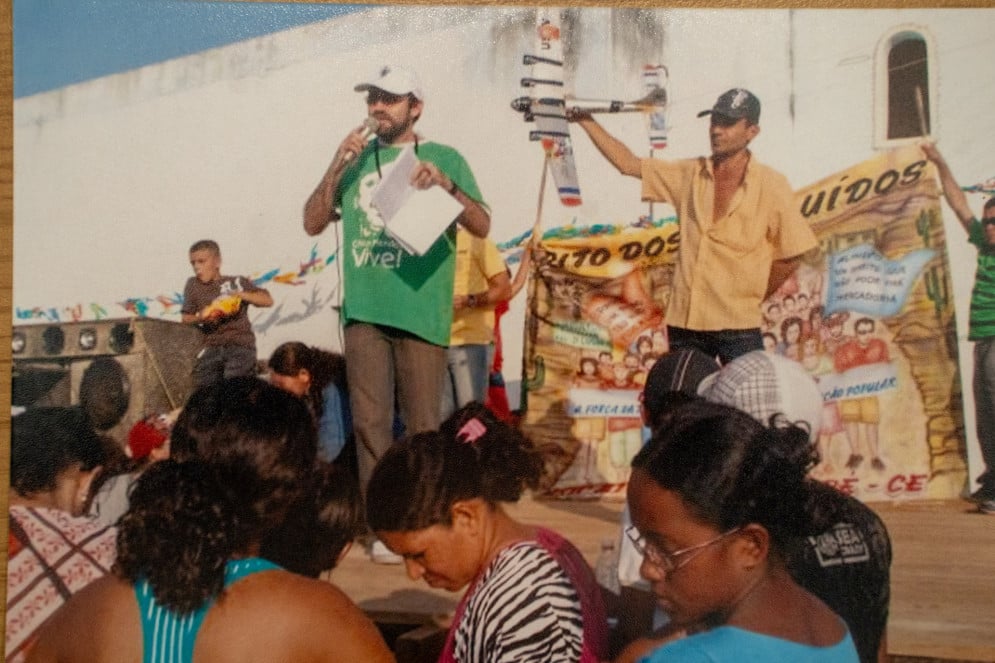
(741,231)
(481,282)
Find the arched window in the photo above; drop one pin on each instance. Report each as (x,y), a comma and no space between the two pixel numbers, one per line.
(905,91)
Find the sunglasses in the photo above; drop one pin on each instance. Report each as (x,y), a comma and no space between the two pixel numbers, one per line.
(375,96)
(990,221)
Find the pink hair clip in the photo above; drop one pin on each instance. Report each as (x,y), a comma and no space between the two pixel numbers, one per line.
(471,431)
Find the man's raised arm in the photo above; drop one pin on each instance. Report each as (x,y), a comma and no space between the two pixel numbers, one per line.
(617,153)
(951,190)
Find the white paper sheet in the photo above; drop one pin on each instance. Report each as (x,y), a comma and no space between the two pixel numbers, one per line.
(413,218)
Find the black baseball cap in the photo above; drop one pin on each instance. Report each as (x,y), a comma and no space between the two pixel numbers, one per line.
(736,103)
(682,371)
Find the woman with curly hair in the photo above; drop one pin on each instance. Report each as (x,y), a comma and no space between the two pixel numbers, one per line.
(436,500)
(319,377)
(188,585)
(716,497)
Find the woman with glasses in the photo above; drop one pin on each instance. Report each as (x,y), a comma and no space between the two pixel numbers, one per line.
(715,497)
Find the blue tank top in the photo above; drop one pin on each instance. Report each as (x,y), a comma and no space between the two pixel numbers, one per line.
(168,637)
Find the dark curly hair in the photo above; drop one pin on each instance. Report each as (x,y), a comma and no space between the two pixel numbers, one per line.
(325,368)
(319,527)
(244,448)
(45,442)
(731,470)
(473,454)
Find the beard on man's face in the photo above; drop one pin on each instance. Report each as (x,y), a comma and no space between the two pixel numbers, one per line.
(391,126)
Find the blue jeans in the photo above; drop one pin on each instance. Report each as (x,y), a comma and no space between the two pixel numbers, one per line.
(467,370)
(726,344)
(984,408)
(335,424)
(219,362)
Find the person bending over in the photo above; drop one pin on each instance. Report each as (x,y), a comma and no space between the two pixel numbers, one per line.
(319,377)
(435,499)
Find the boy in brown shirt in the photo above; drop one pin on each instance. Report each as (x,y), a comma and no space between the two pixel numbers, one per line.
(218,305)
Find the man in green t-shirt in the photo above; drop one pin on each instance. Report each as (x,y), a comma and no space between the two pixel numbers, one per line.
(397,307)
(981,322)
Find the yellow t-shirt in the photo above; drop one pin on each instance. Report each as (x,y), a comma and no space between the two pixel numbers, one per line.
(723,265)
(477,260)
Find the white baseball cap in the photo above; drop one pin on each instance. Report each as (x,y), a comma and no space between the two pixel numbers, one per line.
(394,80)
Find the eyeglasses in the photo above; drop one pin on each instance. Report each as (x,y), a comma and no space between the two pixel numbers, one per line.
(669,562)
(989,221)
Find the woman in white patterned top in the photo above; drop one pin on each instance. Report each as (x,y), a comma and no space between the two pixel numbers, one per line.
(54,550)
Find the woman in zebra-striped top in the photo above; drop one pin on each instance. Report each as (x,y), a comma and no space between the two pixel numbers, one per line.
(435,499)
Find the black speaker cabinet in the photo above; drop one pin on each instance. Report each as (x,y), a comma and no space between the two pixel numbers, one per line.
(134,365)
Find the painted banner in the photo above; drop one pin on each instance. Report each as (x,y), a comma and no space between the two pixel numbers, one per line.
(869,315)
(593,330)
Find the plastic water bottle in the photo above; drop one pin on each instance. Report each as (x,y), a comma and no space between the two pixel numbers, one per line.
(606,567)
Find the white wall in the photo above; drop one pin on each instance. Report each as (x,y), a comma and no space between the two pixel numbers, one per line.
(116,177)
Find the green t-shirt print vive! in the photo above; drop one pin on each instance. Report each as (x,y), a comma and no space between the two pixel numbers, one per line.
(384,284)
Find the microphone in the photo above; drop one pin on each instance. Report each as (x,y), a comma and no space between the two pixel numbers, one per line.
(370,127)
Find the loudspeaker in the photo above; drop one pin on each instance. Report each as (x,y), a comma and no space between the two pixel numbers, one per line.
(120,370)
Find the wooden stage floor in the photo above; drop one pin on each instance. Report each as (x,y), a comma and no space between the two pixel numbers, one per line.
(942,578)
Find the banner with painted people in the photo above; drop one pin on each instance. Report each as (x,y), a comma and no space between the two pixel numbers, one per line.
(869,315)
(593,330)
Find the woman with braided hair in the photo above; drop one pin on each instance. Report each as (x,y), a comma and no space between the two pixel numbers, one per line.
(436,499)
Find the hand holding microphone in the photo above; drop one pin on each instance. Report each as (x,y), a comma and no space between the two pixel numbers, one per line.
(369,128)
